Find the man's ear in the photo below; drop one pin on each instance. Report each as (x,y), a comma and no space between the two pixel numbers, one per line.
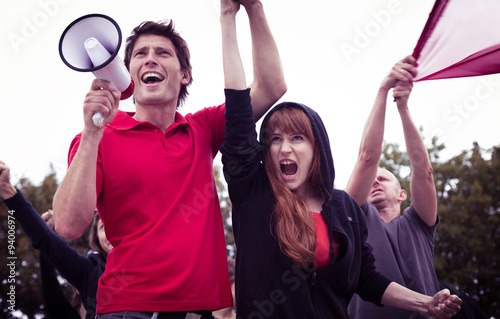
(402,196)
(185,78)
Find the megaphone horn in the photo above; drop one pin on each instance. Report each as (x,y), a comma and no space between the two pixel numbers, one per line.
(91,44)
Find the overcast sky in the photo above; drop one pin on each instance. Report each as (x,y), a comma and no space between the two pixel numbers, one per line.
(334,54)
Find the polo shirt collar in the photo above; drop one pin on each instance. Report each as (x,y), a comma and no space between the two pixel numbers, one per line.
(124,121)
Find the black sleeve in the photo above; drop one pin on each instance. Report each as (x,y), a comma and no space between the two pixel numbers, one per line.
(241,152)
(56,304)
(53,247)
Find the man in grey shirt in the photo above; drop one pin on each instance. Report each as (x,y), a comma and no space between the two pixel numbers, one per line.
(403,244)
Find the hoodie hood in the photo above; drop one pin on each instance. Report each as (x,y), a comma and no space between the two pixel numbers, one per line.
(320,134)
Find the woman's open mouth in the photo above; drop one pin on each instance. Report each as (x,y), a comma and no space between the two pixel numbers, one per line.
(288,169)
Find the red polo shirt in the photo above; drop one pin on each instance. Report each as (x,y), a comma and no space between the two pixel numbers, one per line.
(158,201)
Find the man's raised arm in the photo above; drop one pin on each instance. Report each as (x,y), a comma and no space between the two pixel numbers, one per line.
(365,169)
(423,190)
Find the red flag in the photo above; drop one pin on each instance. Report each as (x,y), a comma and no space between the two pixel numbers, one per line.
(461,38)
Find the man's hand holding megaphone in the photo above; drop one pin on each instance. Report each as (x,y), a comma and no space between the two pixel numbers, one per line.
(104,98)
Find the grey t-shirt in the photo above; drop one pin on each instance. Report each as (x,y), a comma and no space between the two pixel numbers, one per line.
(404,252)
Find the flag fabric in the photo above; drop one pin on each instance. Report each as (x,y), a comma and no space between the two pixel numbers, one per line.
(461,38)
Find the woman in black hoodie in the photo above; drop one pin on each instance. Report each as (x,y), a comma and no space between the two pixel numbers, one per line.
(300,243)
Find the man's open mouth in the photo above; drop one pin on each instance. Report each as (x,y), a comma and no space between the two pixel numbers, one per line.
(152,77)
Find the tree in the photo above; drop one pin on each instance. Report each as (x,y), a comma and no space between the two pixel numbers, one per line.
(467,251)
(467,238)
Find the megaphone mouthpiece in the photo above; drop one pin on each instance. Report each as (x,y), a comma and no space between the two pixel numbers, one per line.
(97,53)
(113,71)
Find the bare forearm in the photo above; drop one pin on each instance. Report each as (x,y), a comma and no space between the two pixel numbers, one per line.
(373,133)
(234,74)
(441,305)
(400,297)
(75,199)
(422,182)
(417,152)
(269,83)
(370,149)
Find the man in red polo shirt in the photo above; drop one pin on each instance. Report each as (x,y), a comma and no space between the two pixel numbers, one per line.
(153,183)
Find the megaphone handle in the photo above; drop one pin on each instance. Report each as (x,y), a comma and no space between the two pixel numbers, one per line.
(97,118)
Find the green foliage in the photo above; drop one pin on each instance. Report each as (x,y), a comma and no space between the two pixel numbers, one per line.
(467,238)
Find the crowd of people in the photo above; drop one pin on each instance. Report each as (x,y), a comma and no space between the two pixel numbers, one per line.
(144,182)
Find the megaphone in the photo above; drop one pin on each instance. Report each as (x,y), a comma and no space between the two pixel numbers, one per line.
(91,44)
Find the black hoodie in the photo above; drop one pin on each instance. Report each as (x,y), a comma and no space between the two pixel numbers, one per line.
(268,284)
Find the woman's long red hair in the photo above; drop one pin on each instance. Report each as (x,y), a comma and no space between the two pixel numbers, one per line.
(295,228)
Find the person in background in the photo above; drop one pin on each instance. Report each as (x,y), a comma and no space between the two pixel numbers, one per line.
(150,174)
(301,247)
(83,272)
(403,244)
